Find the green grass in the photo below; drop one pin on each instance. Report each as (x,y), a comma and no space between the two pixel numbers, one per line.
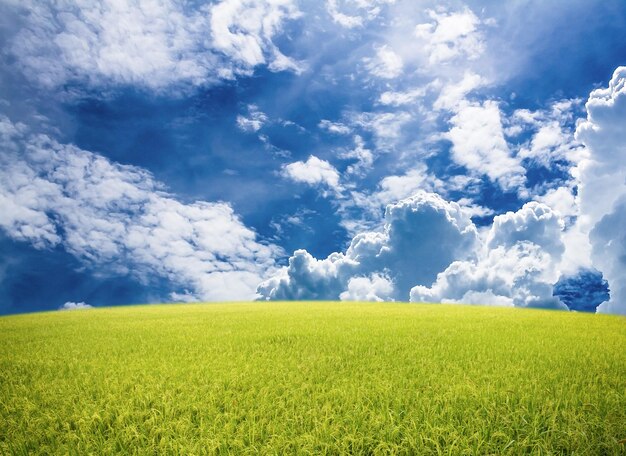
(312,378)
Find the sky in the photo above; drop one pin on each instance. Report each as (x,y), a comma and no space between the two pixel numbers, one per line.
(384,150)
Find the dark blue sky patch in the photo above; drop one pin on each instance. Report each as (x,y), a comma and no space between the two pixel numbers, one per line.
(564,48)
(34,280)
(583,291)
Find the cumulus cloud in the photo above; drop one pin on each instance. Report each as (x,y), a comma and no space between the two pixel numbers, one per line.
(118,218)
(393,188)
(244,30)
(517,266)
(387,64)
(450,35)
(75,306)
(314,172)
(535,222)
(153,44)
(397,187)
(561,199)
(374,288)
(452,94)
(478,143)
(608,242)
(602,174)
(602,186)
(552,141)
(421,236)
(429,250)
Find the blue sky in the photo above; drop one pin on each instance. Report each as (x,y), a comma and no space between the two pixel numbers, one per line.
(452,151)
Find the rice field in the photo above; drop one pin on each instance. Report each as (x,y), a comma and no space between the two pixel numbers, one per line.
(312,378)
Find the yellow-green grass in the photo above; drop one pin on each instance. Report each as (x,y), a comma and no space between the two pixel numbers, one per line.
(312,378)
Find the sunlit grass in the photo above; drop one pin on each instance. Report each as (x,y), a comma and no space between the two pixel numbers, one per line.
(312,378)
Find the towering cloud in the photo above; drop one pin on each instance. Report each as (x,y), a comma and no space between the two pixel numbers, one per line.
(602,189)
(422,235)
(517,266)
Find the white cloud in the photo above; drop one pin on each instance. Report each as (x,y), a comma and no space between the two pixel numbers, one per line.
(577,253)
(364,158)
(453,94)
(340,18)
(335,127)
(150,43)
(255,120)
(386,126)
(608,243)
(392,98)
(473,209)
(430,251)
(478,143)
(552,142)
(422,235)
(396,188)
(551,133)
(313,172)
(243,30)
(391,189)
(451,35)
(521,276)
(603,174)
(387,64)
(75,306)
(534,222)
(119,219)
(360,11)
(602,186)
(375,288)
(518,264)
(183,297)
(561,199)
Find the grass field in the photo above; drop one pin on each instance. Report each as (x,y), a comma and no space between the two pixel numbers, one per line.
(316,378)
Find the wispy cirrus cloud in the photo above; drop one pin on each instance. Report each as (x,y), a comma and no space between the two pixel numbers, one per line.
(252,122)
(355,13)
